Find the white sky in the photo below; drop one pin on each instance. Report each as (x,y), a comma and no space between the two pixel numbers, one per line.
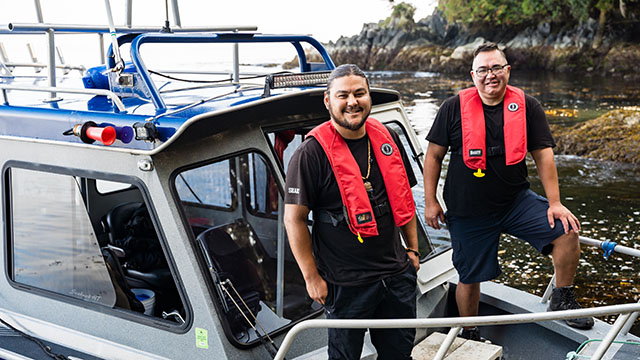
(325,19)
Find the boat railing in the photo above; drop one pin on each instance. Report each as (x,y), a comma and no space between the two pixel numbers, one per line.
(625,311)
(231,37)
(627,315)
(54,90)
(609,247)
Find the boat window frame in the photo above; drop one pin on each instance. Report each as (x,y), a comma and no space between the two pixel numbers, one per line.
(415,157)
(234,198)
(6,198)
(202,262)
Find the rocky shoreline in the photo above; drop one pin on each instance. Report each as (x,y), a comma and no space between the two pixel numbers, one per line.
(433,44)
(614,136)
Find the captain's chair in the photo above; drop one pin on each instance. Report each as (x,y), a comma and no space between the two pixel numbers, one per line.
(157,279)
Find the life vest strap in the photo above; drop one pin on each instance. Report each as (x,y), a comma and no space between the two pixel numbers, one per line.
(491,151)
(329,217)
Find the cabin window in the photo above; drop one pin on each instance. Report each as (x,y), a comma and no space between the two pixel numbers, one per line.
(68,238)
(430,241)
(208,185)
(250,264)
(54,244)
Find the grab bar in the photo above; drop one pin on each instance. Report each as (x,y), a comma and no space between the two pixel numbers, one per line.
(114,98)
(457,322)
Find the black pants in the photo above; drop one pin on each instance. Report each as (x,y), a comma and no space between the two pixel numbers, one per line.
(391,298)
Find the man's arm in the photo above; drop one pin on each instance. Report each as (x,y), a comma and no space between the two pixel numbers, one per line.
(432,166)
(410,233)
(549,177)
(295,221)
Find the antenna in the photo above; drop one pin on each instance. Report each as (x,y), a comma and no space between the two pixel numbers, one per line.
(166,28)
(114,40)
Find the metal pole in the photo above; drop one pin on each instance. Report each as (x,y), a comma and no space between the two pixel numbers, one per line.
(129,13)
(3,53)
(176,13)
(52,61)
(618,248)
(38,11)
(547,293)
(629,324)
(446,344)
(454,322)
(611,335)
(280,261)
(236,62)
(114,40)
(103,56)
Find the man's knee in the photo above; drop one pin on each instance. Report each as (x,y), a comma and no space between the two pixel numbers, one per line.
(567,242)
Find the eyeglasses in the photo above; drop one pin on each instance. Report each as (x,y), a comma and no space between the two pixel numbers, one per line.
(496,70)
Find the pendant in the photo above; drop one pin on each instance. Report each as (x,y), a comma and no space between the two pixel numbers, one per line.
(368,186)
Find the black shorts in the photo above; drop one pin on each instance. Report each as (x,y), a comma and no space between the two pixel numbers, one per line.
(475,239)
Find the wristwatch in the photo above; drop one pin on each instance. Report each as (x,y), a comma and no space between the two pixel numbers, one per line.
(413,251)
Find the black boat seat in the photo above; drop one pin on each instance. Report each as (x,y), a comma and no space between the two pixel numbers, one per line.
(115,222)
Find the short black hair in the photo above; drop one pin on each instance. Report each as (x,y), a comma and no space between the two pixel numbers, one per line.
(488,46)
(346,70)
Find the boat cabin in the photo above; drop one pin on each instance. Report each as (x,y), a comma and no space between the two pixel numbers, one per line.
(142,208)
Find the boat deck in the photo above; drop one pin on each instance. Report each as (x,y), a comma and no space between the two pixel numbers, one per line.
(14,345)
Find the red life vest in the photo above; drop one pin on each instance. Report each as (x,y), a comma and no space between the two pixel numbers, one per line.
(474,131)
(354,196)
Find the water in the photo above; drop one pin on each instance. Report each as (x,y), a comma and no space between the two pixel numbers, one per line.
(605,196)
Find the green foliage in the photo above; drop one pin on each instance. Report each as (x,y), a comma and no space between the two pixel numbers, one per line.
(517,12)
(401,17)
(403,10)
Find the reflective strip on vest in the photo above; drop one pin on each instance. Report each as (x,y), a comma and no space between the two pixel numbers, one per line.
(361,219)
(474,129)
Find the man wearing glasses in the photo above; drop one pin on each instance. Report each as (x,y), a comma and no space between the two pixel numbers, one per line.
(489,129)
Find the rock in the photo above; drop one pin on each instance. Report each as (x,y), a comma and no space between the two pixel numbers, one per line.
(461,52)
(613,136)
(433,44)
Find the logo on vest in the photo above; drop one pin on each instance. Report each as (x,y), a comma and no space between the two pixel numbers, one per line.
(386,149)
(475,152)
(513,107)
(364,218)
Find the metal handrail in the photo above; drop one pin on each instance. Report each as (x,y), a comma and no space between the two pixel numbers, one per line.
(460,322)
(157,100)
(114,98)
(617,248)
(43,65)
(38,28)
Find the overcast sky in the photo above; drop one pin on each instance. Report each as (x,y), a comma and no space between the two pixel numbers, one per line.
(326,19)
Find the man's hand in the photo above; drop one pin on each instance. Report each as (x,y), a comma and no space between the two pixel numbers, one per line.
(432,213)
(558,211)
(414,260)
(317,288)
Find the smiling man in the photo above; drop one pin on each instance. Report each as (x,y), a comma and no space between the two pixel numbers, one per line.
(489,129)
(353,173)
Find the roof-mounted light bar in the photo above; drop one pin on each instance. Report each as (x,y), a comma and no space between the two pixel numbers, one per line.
(278,81)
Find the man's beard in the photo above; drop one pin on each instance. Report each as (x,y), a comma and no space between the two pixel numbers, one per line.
(342,122)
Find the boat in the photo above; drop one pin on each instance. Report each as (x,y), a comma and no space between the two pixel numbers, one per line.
(142,212)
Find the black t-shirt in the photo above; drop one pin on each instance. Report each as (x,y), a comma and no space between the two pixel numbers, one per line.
(467,195)
(340,257)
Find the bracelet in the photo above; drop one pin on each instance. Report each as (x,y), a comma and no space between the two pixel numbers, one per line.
(416,252)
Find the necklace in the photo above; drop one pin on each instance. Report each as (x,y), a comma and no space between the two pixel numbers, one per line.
(367,184)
